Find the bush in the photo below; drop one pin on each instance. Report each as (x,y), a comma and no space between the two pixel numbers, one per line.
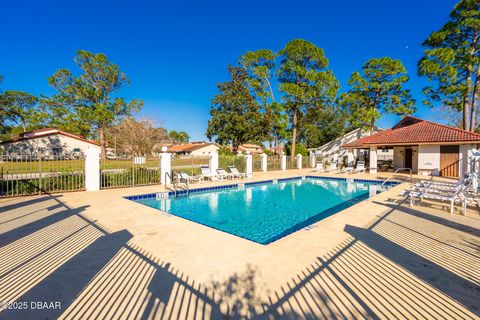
(300,149)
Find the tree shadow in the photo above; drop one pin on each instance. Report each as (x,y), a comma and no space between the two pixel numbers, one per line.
(239,296)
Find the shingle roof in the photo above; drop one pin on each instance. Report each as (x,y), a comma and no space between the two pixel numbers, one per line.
(46,132)
(411,130)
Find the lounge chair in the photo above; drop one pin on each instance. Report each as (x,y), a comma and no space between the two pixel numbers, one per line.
(348,169)
(185,177)
(453,196)
(442,185)
(319,167)
(236,173)
(332,167)
(360,167)
(206,173)
(222,174)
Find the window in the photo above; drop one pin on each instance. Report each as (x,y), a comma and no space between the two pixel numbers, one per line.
(57,151)
(76,150)
(41,149)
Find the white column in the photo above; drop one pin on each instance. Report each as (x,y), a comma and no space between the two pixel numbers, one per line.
(350,157)
(373,160)
(213,163)
(165,166)
(299,161)
(283,162)
(92,169)
(264,162)
(312,159)
(248,165)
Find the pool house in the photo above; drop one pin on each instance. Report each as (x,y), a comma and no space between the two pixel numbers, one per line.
(425,147)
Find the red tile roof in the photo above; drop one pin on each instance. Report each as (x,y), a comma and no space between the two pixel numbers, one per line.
(188,147)
(411,130)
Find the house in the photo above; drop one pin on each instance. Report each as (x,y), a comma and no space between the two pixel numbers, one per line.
(252,148)
(48,142)
(425,147)
(333,151)
(193,148)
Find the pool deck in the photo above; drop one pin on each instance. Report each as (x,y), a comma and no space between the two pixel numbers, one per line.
(104,256)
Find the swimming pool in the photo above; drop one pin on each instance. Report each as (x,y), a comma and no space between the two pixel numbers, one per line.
(269,210)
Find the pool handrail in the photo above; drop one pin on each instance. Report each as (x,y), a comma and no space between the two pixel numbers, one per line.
(404,169)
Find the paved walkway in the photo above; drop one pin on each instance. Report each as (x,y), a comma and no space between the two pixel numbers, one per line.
(103,257)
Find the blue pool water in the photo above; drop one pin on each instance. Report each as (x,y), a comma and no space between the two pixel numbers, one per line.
(267,211)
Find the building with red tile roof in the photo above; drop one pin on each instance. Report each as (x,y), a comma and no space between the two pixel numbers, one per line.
(424,146)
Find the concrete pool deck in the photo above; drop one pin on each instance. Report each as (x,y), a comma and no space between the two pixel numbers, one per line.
(103,256)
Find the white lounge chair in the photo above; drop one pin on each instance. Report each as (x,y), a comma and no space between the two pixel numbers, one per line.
(332,167)
(348,169)
(222,174)
(236,173)
(185,177)
(455,196)
(206,173)
(360,167)
(443,185)
(319,167)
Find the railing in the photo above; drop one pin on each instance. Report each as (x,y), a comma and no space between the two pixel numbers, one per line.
(230,160)
(291,163)
(257,163)
(172,182)
(273,163)
(129,172)
(400,169)
(189,164)
(305,162)
(22,175)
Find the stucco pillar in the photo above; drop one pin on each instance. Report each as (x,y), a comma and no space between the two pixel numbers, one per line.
(165,167)
(92,169)
(299,161)
(350,157)
(249,165)
(264,162)
(213,163)
(283,162)
(312,159)
(373,160)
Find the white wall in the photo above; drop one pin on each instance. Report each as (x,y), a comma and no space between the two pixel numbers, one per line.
(33,145)
(398,157)
(428,159)
(205,151)
(464,148)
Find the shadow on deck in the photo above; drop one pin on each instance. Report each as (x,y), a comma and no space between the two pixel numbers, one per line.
(405,264)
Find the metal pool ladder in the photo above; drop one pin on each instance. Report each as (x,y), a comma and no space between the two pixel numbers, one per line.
(399,169)
(174,179)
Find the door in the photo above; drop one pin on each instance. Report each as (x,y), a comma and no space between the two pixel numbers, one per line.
(408,158)
(449,161)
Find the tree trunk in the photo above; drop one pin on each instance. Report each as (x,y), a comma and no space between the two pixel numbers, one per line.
(294,136)
(475,98)
(101,137)
(235,148)
(375,102)
(466,102)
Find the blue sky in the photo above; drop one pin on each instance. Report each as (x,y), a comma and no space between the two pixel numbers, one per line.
(175,52)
